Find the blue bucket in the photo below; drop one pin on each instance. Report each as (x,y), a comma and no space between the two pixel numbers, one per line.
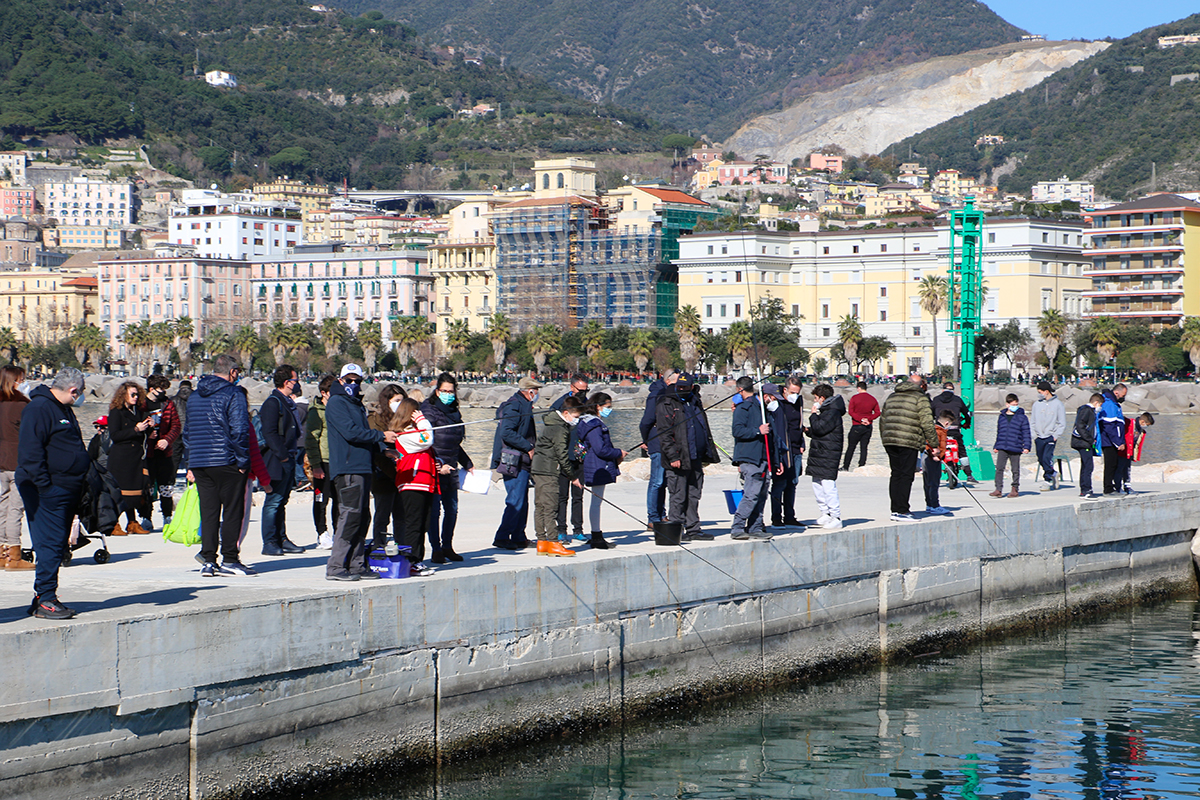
(733,499)
(386,566)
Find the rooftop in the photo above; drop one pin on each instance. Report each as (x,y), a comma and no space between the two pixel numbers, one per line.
(1164,201)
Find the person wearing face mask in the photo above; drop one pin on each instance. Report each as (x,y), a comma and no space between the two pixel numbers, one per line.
(281,442)
(512,455)
(442,411)
(52,465)
(388,513)
(686,443)
(352,448)
(1012,440)
(754,456)
(316,446)
(129,424)
(566,489)
(600,461)
(160,448)
(551,461)
(824,452)
(789,421)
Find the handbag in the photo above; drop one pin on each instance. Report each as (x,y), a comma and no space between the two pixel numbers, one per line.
(512,461)
(184,527)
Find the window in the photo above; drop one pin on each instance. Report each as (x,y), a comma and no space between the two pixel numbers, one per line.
(795,310)
(708,310)
(737,277)
(825,251)
(882,316)
(561,181)
(824,331)
(854,310)
(883,291)
(824,310)
(546,181)
(1047,296)
(737,310)
(724,249)
(1045,238)
(710,249)
(722,309)
(883,248)
(854,249)
(992,237)
(916,330)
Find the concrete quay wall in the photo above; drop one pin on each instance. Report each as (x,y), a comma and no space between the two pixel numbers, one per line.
(223,700)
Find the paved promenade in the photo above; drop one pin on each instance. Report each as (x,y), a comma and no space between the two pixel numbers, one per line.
(147,576)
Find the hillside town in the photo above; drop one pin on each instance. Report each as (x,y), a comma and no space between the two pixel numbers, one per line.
(128,269)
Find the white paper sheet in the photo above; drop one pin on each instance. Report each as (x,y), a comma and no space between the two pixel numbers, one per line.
(477,482)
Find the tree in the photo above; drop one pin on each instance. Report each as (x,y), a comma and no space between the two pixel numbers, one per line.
(1105,334)
(458,335)
(184,331)
(687,325)
(279,337)
(245,342)
(740,341)
(498,331)
(87,342)
(875,348)
(8,343)
(333,336)
(931,293)
(136,337)
(1190,341)
(370,339)
(161,335)
(1052,326)
(217,342)
(641,343)
(409,333)
(543,342)
(850,334)
(301,341)
(592,337)
(819,366)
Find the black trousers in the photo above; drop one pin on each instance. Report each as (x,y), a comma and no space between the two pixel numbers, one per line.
(903,461)
(222,493)
(1112,459)
(324,486)
(388,512)
(858,433)
(415,507)
(354,520)
(566,488)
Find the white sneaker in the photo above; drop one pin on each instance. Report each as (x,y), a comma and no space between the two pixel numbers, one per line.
(325,541)
(1044,487)
(832,524)
(902,517)
(821,520)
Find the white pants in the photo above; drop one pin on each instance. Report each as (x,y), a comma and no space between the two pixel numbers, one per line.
(597,493)
(826,494)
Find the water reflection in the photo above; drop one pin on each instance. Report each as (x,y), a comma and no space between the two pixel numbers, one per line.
(1101,710)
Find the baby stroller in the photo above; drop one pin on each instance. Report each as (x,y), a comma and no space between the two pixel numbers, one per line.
(100,503)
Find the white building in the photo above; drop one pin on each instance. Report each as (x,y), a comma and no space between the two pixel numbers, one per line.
(86,202)
(1081,192)
(14,163)
(237,226)
(218,78)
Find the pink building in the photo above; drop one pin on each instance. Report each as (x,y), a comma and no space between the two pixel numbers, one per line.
(16,202)
(829,163)
(747,172)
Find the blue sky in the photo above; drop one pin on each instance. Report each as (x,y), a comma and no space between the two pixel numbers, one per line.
(1094,19)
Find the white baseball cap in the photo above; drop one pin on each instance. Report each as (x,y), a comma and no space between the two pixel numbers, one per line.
(352,369)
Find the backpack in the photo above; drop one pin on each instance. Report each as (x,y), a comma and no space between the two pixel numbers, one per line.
(257,422)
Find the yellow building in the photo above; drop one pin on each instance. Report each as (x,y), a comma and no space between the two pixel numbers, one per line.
(463,263)
(85,237)
(41,306)
(295,193)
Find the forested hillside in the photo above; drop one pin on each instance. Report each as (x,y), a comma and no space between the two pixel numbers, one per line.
(706,66)
(1106,119)
(361,98)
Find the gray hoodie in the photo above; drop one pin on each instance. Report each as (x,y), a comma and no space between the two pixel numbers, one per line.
(1048,419)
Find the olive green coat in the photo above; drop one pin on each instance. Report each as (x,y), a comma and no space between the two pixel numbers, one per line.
(907,419)
(552,455)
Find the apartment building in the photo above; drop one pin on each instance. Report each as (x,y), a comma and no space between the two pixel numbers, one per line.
(41,306)
(287,192)
(1138,256)
(1062,189)
(20,242)
(84,237)
(89,202)
(234,226)
(16,200)
(14,163)
(463,264)
(874,276)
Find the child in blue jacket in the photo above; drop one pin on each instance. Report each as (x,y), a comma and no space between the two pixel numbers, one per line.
(1012,440)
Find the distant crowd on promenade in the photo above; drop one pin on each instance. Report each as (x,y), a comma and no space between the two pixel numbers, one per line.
(390,476)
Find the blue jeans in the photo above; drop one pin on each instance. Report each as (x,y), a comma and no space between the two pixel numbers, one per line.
(1045,456)
(516,510)
(447,503)
(656,491)
(49,515)
(274,515)
(749,517)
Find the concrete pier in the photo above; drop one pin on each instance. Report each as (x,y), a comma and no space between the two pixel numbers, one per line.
(170,685)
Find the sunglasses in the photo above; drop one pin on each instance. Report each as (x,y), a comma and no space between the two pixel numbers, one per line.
(350,379)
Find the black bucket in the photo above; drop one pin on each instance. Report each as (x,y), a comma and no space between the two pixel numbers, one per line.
(668,533)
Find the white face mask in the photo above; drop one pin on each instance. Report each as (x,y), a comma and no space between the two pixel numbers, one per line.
(773,406)
(792,398)
(395,404)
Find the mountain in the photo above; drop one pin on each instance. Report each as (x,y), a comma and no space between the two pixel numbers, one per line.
(869,114)
(708,65)
(340,97)
(1107,119)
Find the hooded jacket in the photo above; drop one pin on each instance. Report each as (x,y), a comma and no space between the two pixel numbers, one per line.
(316,441)
(281,434)
(646,427)
(907,419)
(749,445)
(1012,431)
(551,455)
(218,423)
(789,419)
(825,439)
(50,451)
(447,441)
(600,463)
(949,401)
(516,429)
(1048,418)
(1085,434)
(352,443)
(674,416)
(1112,421)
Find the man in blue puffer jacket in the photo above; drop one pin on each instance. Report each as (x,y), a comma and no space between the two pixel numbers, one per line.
(216,441)
(1112,435)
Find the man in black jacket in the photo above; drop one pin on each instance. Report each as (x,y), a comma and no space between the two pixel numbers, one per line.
(656,489)
(686,444)
(444,416)
(949,401)
(52,465)
(788,421)
(825,452)
(567,488)
(281,441)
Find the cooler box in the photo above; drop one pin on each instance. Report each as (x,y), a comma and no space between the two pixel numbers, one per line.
(386,566)
(733,499)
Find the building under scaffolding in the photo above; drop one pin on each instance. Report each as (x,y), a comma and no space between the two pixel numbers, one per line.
(567,260)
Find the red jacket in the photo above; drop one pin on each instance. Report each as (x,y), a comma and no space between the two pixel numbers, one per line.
(168,429)
(258,467)
(863,406)
(1135,437)
(417,466)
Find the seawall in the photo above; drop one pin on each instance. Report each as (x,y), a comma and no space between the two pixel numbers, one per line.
(269,686)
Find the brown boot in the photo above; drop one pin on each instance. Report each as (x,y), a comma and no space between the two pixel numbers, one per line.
(552,548)
(995,493)
(118,531)
(1013,492)
(3,556)
(134,528)
(15,562)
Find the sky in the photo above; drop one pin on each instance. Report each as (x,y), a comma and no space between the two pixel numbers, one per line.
(1090,19)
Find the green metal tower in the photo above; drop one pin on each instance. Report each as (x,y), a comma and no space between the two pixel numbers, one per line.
(965,295)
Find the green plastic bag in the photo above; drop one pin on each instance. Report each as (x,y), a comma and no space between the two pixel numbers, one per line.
(184,527)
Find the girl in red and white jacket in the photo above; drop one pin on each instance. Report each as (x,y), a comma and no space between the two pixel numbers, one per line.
(1135,437)
(416,474)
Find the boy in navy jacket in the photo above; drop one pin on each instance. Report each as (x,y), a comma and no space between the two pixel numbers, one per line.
(1012,440)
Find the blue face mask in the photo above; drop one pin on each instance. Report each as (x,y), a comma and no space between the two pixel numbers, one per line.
(604,412)
(353,389)
(446,397)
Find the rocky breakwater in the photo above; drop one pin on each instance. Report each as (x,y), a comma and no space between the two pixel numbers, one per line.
(1162,397)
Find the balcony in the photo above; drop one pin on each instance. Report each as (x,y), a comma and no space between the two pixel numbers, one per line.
(484,310)
(1138,291)
(445,312)
(1132,270)
(1133,249)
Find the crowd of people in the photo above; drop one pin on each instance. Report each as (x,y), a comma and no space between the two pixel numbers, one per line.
(391,476)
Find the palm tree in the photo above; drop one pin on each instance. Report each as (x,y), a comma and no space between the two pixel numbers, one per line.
(8,342)
(850,334)
(300,340)
(1106,336)
(931,293)
(332,336)
(687,325)
(1052,326)
(641,343)
(544,341)
(279,336)
(498,331)
(245,342)
(409,333)
(217,342)
(458,335)
(161,336)
(1190,341)
(136,337)
(370,339)
(740,341)
(592,337)
(87,341)
(184,331)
